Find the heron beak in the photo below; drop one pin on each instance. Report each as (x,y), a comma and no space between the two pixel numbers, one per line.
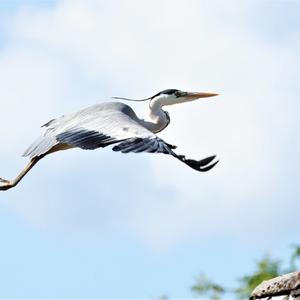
(193,96)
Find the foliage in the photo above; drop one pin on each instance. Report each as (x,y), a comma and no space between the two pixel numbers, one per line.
(266,268)
(295,257)
(208,288)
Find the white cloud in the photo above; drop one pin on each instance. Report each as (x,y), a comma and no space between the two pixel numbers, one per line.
(137,49)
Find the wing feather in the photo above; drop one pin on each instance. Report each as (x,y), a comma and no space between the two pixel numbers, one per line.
(157,145)
(105,124)
(96,126)
(138,145)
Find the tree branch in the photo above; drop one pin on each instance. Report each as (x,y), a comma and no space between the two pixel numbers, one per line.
(288,284)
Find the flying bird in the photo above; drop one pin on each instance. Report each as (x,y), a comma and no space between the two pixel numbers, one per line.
(113,123)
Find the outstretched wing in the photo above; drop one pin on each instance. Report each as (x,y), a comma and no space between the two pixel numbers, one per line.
(157,145)
(148,144)
(96,126)
(105,124)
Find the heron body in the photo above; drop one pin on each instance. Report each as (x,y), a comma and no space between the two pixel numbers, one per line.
(100,125)
(112,123)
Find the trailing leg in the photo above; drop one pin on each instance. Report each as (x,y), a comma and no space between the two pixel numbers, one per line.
(8,184)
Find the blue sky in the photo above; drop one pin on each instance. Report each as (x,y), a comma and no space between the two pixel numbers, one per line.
(105,225)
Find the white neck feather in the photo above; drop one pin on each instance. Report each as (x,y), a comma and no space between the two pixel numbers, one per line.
(158,118)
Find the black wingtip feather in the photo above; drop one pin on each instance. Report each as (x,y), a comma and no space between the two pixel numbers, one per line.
(198,165)
(157,145)
(208,167)
(207,160)
(138,145)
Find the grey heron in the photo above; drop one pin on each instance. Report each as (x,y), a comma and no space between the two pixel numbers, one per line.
(113,123)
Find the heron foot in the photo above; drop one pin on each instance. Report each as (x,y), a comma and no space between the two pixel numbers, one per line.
(5,184)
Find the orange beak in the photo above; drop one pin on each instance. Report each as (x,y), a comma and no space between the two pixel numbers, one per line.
(200,95)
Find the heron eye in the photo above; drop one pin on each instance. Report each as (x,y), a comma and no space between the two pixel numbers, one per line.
(177,94)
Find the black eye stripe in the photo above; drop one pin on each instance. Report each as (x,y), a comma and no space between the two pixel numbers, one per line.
(168,92)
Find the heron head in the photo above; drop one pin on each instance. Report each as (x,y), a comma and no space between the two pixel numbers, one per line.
(173,96)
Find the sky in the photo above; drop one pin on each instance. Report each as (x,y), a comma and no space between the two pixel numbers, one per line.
(99,224)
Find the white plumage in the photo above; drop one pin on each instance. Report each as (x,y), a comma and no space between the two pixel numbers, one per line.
(112,123)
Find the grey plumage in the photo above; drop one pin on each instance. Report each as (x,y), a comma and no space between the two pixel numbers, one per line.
(41,145)
(85,139)
(105,124)
(97,126)
(151,145)
(112,123)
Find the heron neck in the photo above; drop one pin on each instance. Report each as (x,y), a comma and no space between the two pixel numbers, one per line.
(158,118)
